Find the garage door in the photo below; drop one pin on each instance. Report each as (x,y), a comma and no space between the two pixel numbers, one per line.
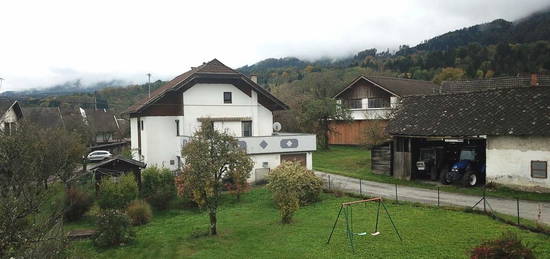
(301,157)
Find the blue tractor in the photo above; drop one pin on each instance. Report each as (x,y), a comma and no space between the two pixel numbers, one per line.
(469,169)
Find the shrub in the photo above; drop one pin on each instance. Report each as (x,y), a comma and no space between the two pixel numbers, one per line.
(77,203)
(506,246)
(184,193)
(117,193)
(113,228)
(158,187)
(292,185)
(139,212)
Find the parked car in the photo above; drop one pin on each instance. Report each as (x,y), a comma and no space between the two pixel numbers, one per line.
(99,155)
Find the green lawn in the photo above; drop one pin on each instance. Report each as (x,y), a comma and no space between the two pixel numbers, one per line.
(251,229)
(355,162)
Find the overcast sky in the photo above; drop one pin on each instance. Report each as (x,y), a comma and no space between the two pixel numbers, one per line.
(49,42)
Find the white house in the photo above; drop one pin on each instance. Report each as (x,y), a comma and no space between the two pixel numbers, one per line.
(370,100)
(162,123)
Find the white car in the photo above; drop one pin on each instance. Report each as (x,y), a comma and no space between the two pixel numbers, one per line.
(99,155)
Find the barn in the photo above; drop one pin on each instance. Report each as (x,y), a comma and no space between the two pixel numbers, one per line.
(508,129)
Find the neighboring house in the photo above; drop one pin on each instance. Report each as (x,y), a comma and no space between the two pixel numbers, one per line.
(105,125)
(160,125)
(10,114)
(511,126)
(44,117)
(371,99)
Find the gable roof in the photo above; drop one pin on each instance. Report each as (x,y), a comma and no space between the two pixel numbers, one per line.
(523,111)
(214,68)
(47,117)
(396,86)
(102,120)
(6,104)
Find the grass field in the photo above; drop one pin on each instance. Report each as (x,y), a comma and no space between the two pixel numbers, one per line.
(251,229)
(355,162)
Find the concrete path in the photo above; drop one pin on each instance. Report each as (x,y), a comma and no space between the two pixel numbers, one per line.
(528,209)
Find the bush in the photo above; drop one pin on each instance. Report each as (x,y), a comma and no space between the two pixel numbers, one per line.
(184,193)
(158,187)
(113,228)
(117,193)
(77,203)
(292,185)
(507,246)
(139,212)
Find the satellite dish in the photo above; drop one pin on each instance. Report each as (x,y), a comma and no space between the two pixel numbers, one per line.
(277,126)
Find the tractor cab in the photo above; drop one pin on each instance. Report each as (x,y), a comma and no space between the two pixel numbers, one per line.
(469,169)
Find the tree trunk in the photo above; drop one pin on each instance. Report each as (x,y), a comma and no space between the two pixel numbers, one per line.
(325,129)
(213,230)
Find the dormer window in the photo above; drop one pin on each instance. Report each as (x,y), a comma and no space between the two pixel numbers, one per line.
(227,97)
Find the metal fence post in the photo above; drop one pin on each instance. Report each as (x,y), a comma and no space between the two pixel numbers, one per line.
(517,200)
(396,198)
(438,196)
(360,188)
(484,208)
(329,182)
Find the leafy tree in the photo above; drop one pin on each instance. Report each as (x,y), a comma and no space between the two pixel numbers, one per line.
(449,73)
(209,155)
(63,152)
(31,216)
(237,177)
(319,113)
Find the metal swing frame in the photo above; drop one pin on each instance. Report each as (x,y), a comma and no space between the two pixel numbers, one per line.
(347,208)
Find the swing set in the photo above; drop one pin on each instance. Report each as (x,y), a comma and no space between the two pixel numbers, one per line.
(347,208)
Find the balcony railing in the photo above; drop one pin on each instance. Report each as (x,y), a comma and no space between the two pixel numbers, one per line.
(280,143)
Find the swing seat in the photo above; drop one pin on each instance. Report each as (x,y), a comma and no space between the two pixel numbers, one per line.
(375,233)
(361,233)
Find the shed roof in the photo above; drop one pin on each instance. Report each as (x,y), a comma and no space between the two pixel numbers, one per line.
(523,111)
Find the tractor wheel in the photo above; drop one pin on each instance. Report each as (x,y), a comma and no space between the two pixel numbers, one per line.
(443,176)
(470,179)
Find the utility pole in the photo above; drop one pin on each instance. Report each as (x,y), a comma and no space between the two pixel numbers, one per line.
(149,83)
(1,80)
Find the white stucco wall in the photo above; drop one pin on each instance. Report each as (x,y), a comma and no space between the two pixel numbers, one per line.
(134,138)
(206,100)
(509,160)
(159,141)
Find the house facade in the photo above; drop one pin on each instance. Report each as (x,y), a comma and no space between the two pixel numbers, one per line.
(371,100)
(510,127)
(162,124)
(11,113)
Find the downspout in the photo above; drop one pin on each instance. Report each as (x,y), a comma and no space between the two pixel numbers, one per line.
(139,138)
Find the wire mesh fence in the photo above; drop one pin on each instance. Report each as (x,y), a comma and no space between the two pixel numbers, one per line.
(513,211)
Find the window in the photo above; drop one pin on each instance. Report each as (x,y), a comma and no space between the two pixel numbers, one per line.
(353,103)
(246,128)
(538,169)
(177,127)
(374,103)
(227,97)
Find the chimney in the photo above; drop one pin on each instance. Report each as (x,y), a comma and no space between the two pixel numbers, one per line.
(254,78)
(534,80)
